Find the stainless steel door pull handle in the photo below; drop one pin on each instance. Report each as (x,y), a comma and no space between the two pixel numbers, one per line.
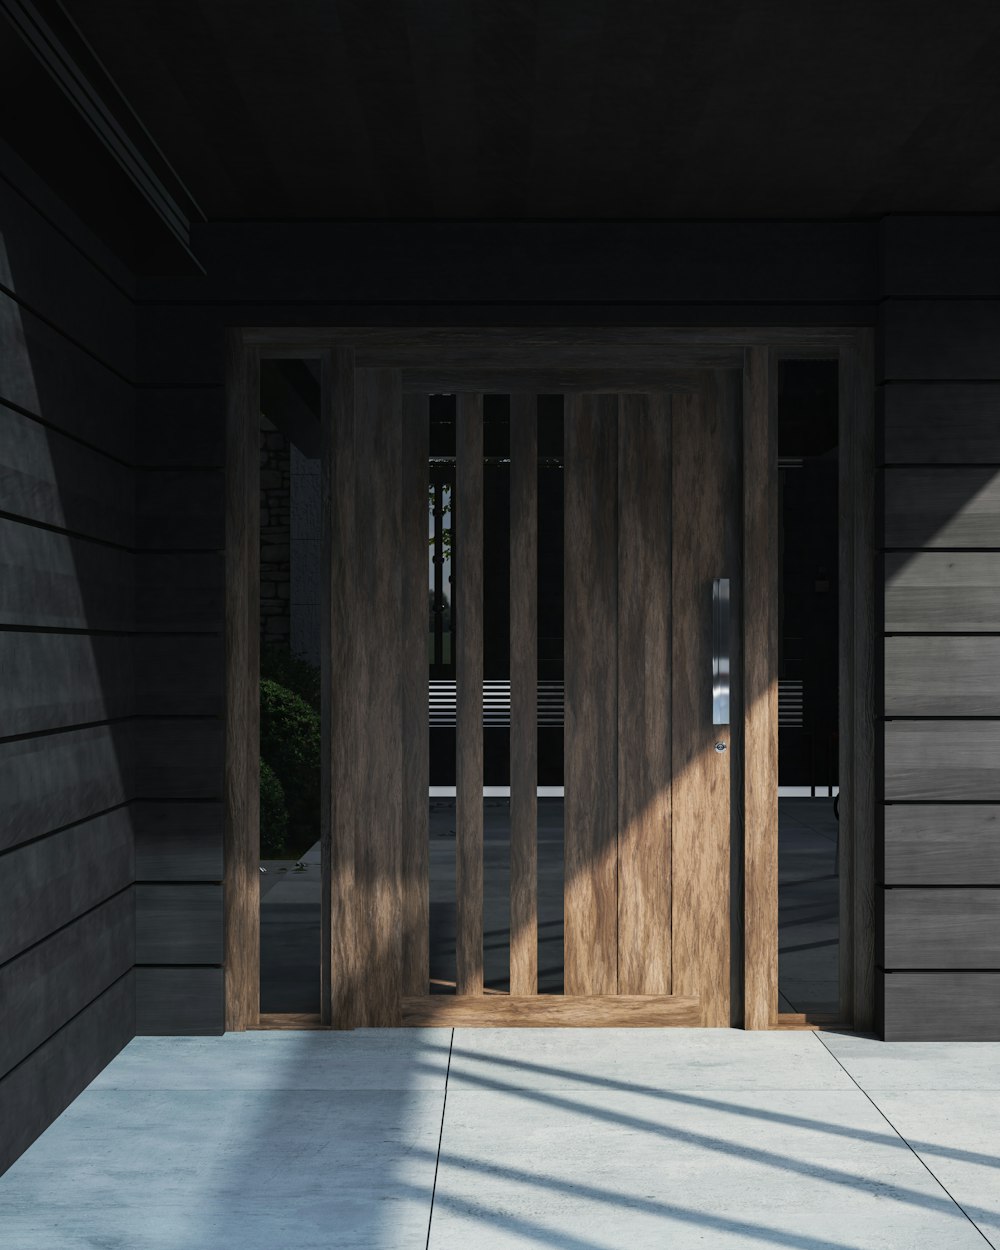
(720,651)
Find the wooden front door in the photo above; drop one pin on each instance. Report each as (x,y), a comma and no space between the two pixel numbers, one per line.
(650,519)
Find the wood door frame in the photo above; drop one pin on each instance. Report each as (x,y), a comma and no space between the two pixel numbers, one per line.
(618,359)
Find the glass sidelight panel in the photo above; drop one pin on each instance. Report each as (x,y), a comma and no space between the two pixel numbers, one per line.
(290,877)
(441,688)
(551,803)
(808,689)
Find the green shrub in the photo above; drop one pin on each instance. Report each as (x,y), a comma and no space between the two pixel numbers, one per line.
(290,743)
(273,813)
(288,670)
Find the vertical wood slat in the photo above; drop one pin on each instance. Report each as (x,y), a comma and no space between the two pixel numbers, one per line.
(644,704)
(366,727)
(760,685)
(857,682)
(523,694)
(468,609)
(591,697)
(415,881)
(704,490)
(241,885)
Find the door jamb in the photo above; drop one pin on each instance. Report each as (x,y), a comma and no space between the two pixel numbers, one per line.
(757,350)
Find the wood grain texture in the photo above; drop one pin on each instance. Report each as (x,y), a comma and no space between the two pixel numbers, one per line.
(61,582)
(54,480)
(553,1010)
(945,423)
(940,339)
(171,1001)
(80,396)
(56,681)
(47,985)
(942,844)
(645,502)
(523,694)
(41,1087)
(60,779)
(291,1020)
(468,615)
(942,676)
(705,464)
(942,760)
(178,924)
(595,381)
(942,928)
(591,697)
(54,880)
(415,868)
(942,592)
(942,1007)
(241,949)
(366,729)
(859,703)
(942,507)
(178,841)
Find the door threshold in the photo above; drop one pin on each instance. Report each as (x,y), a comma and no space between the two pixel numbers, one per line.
(289,1020)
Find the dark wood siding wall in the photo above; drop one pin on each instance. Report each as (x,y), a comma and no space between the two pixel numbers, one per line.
(939,392)
(69,658)
(392,274)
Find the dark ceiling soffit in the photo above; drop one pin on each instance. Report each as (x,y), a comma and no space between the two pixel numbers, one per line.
(52,53)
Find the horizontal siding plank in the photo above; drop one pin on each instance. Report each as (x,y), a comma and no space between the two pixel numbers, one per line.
(942,507)
(47,272)
(51,378)
(942,928)
(179,509)
(940,256)
(56,681)
(177,593)
(942,760)
(177,759)
(942,844)
(61,779)
(61,582)
(178,1001)
(957,423)
(943,592)
(177,841)
(43,1086)
(50,478)
(48,984)
(936,676)
(178,924)
(51,882)
(946,339)
(942,1007)
(179,676)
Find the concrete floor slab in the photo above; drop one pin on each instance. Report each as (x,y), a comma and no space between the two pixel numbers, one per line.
(957,1135)
(598,1170)
(651,1058)
(228,1170)
(916,1065)
(375,1059)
